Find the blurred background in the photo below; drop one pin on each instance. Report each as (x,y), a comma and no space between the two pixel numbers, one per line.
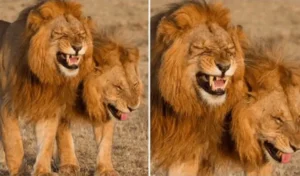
(279,19)
(130,147)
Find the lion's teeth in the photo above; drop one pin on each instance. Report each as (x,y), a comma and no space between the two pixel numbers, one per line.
(68,58)
(211,81)
(79,58)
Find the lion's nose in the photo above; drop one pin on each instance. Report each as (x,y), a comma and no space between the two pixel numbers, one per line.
(132,108)
(294,147)
(223,67)
(77,48)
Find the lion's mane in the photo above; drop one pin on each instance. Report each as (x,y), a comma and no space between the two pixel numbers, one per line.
(31,87)
(182,126)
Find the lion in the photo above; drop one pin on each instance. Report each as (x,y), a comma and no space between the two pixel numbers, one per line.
(44,55)
(3,26)
(110,92)
(197,71)
(265,122)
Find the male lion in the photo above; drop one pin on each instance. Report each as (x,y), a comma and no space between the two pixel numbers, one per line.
(197,75)
(3,26)
(265,124)
(44,55)
(110,92)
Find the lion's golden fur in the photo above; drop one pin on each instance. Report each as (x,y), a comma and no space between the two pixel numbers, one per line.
(116,67)
(270,111)
(109,52)
(183,127)
(26,75)
(3,26)
(33,85)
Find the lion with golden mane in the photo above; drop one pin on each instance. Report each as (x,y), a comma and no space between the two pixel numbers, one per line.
(265,123)
(110,92)
(197,70)
(44,55)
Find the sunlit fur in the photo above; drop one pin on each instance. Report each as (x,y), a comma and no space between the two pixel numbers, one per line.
(31,78)
(270,112)
(32,86)
(114,81)
(184,126)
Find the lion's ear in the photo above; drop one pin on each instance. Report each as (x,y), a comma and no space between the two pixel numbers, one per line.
(173,26)
(34,21)
(238,33)
(131,54)
(90,23)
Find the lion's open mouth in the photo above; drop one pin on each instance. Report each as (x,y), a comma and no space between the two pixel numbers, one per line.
(276,154)
(69,61)
(116,113)
(214,85)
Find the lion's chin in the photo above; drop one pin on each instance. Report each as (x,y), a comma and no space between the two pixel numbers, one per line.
(212,100)
(68,72)
(68,63)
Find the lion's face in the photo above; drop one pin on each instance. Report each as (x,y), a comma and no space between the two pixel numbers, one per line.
(196,57)
(275,126)
(201,65)
(120,88)
(68,44)
(211,62)
(60,41)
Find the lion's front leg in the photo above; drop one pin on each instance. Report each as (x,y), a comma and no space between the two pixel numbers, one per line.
(45,133)
(12,141)
(66,152)
(104,137)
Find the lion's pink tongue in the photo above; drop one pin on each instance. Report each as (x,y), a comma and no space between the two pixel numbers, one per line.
(219,83)
(286,157)
(124,116)
(73,60)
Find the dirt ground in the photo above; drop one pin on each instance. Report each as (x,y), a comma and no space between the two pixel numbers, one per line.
(130,147)
(263,18)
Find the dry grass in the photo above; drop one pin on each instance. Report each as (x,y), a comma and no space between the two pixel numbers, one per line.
(130,140)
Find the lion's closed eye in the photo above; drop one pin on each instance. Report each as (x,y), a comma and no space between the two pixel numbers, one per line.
(136,84)
(118,87)
(58,34)
(82,34)
(278,120)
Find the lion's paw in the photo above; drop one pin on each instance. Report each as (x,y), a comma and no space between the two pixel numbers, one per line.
(69,170)
(107,173)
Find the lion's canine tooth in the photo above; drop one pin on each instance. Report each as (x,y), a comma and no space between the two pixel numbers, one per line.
(226,82)
(211,80)
(78,59)
(68,58)
(203,77)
